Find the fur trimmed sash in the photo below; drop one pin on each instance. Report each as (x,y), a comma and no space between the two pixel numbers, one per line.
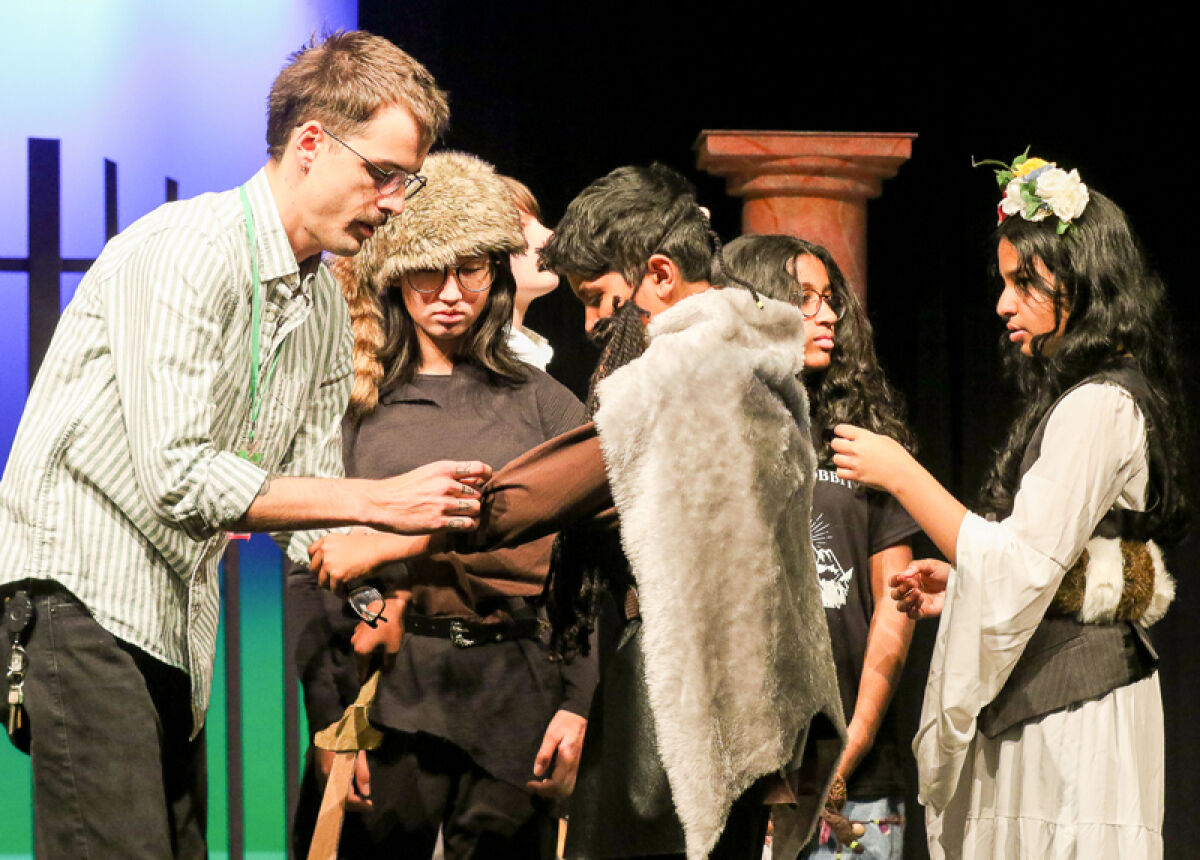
(1116,580)
(706,443)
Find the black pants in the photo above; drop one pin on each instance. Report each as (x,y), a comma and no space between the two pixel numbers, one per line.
(420,783)
(114,773)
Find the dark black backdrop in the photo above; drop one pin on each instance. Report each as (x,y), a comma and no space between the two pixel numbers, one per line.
(559,93)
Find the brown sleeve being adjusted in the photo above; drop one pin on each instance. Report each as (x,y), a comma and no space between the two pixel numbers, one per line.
(557,484)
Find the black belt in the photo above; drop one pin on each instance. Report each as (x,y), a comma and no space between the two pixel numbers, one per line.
(468,634)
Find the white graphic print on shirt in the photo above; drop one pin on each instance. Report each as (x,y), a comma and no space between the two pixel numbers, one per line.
(834,579)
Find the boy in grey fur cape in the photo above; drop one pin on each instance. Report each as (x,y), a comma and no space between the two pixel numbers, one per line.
(721,696)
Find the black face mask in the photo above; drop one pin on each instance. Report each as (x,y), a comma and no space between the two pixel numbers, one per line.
(622,338)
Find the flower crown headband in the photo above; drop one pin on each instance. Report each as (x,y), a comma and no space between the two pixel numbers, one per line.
(1035,188)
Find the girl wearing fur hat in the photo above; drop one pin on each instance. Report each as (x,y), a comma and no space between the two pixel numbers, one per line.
(481,729)
(1042,729)
(860,538)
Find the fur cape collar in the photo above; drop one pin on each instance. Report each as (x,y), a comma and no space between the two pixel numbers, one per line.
(707,448)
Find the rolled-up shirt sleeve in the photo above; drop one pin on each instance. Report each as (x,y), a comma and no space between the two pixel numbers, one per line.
(165,324)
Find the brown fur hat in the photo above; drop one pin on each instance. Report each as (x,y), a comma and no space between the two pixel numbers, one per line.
(465,209)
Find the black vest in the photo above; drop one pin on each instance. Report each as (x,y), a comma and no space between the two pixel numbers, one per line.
(1067,662)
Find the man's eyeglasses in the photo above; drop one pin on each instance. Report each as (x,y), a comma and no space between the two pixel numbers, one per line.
(474,276)
(387,182)
(810,304)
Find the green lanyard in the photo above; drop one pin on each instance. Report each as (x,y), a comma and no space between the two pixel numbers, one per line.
(249,453)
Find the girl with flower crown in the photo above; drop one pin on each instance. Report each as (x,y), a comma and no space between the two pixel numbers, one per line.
(1042,729)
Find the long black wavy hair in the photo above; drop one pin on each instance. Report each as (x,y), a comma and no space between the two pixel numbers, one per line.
(1115,308)
(485,346)
(853,389)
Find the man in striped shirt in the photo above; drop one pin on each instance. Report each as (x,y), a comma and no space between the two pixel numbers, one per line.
(195,384)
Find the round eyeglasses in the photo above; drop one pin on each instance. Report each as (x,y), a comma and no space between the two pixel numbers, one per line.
(474,276)
(810,304)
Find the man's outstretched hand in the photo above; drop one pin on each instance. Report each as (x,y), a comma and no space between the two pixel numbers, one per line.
(442,496)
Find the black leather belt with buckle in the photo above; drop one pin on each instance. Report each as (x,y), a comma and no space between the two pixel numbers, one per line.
(468,634)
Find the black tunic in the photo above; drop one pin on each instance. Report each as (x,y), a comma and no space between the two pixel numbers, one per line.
(493,701)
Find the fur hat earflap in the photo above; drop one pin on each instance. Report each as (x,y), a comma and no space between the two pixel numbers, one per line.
(465,209)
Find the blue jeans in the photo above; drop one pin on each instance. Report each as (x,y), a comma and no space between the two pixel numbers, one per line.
(883,818)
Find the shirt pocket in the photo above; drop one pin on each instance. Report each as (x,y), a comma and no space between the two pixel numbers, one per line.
(285,408)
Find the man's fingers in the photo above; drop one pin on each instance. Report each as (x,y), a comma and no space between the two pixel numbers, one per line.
(464,507)
(472,469)
(459,524)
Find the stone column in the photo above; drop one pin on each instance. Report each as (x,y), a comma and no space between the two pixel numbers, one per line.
(814,185)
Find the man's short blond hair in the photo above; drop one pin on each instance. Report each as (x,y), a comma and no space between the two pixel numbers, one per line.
(341,80)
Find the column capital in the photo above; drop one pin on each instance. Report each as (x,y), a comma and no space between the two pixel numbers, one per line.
(810,184)
(803,163)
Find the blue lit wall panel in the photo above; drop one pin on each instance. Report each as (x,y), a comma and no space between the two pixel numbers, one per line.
(164,90)
(14,314)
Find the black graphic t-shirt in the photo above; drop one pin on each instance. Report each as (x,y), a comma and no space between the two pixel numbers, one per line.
(849,525)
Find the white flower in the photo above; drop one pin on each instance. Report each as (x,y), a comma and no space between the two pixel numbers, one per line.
(1065,194)
(1012,204)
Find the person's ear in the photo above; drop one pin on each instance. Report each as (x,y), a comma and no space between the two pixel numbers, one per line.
(304,142)
(664,278)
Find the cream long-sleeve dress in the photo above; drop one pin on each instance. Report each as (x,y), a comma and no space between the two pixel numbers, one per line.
(1086,782)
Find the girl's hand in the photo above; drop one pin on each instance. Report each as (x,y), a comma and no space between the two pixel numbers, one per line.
(920,589)
(377,647)
(869,458)
(338,559)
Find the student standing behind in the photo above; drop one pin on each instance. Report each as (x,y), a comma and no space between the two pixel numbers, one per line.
(201,368)
(860,536)
(704,399)
(533,282)
(481,729)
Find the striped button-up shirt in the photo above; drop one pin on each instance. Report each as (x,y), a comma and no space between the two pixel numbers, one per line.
(123,475)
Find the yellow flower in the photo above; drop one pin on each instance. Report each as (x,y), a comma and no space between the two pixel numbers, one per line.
(1028,167)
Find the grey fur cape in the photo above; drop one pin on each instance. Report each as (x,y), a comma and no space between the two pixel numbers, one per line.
(708,453)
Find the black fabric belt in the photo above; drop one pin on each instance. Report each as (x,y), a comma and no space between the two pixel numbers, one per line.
(468,634)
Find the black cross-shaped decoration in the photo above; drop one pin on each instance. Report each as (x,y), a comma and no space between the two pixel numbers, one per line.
(45,263)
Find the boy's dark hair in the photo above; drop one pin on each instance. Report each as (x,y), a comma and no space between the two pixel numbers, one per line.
(619,221)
